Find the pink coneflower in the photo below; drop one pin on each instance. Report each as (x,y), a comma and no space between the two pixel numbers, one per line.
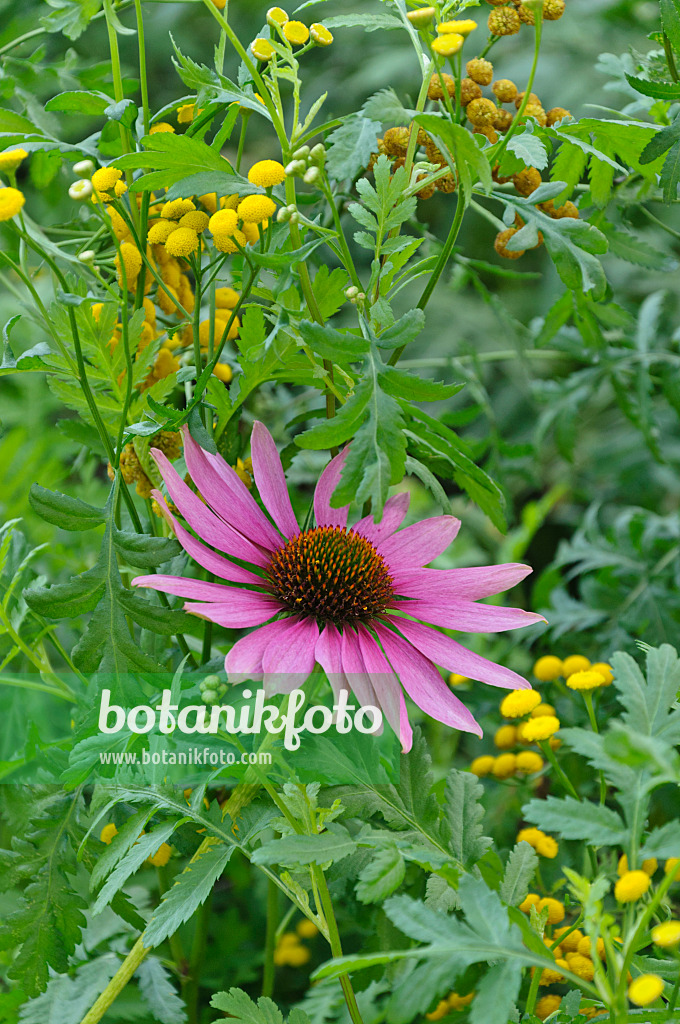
(353,599)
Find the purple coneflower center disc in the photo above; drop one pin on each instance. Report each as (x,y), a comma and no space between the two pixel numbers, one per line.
(332,575)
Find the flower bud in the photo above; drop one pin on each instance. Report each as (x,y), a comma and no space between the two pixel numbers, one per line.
(421,18)
(295,168)
(87,256)
(302,153)
(83,167)
(352,292)
(318,153)
(81,189)
(311,176)
(295,218)
(283,216)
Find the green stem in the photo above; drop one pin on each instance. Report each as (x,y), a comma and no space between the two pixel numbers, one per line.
(550,755)
(670,58)
(270,939)
(533,991)
(245,117)
(334,941)
(143,83)
(198,948)
(588,698)
(503,143)
(117,983)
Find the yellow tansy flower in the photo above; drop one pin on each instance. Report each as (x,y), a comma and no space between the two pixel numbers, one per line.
(505,737)
(224,222)
(296,32)
(176,208)
(528,762)
(161,856)
(321,36)
(648,866)
(230,242)
(266,173)
(10,160)
(574,663)
(185,113)
(11,201)
(587,680)
(631,886)
(548,668)
(645,989)
(159,232)
(262,49)
(161,126)
(107,833)
(131,259)
(540,728)
(670,865)
(532,899)
(254,209)
(196,220)
(667,934)
(555,909)
(605,671)
(226,298)
(276,16)
(449,44)
(306,929)
(182,242)
(482,766)
(456,679)
(547,1005)
(463,27)
(542,709)
(519,702)
(504,766)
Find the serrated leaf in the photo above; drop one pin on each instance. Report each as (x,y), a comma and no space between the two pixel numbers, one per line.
(322,849)
(63,511)
(191,889)
(330,344)
(463,814)
(350,146)
(519,871)
(159,993)
(576,819)
(382,875)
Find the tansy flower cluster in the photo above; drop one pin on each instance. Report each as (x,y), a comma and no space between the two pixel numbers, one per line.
(539,722)
(451,1002)
(288,33)
(290,952)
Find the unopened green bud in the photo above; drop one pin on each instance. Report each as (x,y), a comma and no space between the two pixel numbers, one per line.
(295,168)
(421,18)
(311,176)
(352,292)
(318,153)
(283,216)
(302,153)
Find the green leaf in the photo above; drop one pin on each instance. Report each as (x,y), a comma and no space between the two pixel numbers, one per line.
(337,346)
(463,813)
(63,511)
(661,142)
(529,148)
(662,842)
(670,19)
(576,819)
(403,331)
(496,994)
(647,702)
(382,875)
(284,260)
(143,550)
(158,992)
(330,846)
(658,90)
(145,846)
(177,156)
(519,871)
(636,250)
(80,102)
(369,22)
(240,1007)
(350,146)
(470,161)
(670,173)
(385,106)
(190,890)
(107,639)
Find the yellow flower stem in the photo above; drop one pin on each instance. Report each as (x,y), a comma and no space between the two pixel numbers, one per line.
(252,69)
(588,699)
(456,64)
(550,755)
(119,92)
(533,991)
(634,941)
(245,117)
(143,83)
(500,147)
(269,968)
(491,42)
(334,941)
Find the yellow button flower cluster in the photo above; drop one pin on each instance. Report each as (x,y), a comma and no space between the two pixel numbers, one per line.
(452,1002)
(544,845)
(290,951)
(11,202)
(291,33)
